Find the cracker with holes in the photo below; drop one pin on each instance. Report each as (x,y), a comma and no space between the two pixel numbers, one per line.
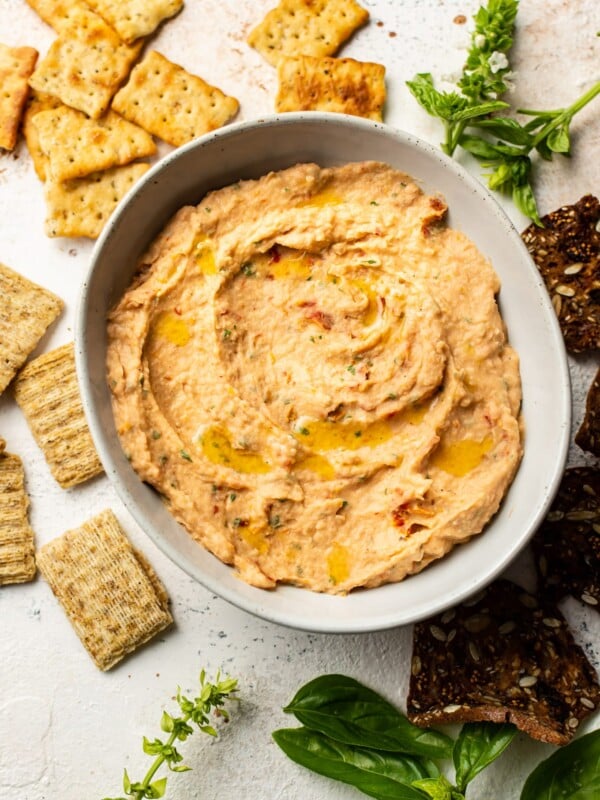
(26,312)
(16,65)
(77,146)
(166,100)
(567,253)
(17,552)
(47,391)
(114,604)
(306,27)
(503,656)
(37,102)
(81,207)
(85,64)
(56,12)
(588,435)
(133,19)
(341,85)
(567,544)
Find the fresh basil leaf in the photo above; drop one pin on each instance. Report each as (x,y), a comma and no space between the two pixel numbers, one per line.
(501,177)
(444,105)
(479,110)
(523,198)
(381,775)
(478,147)
(570,773)
(505,128)
(558,140)
(478,744)
(544,150)
(349,712)
(437,788)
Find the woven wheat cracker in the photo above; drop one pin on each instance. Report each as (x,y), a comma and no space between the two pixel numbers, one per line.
(341,85)
(26,312)
(113,604)
(16,65)
(135,18)
(306,27)
(81,207)
(166,100)
(47,391)
(77,146)
(17,553)
(85,64)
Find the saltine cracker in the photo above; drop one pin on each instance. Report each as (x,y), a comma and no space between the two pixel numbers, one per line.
(16,65)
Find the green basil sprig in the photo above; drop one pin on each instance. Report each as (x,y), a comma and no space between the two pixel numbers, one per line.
(571,773)
(349,712)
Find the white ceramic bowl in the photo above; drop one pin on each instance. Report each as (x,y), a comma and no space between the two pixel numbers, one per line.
(248,150)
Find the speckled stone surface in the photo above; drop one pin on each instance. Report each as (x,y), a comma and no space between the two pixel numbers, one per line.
(67,730)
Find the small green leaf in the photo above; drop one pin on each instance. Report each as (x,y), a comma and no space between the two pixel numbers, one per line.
(558,140)
(524,200)
(505,128)
(479,110)
(166,722)
(478,744)
(179,768)
(152,748)
(126,782)
(478,147)
(158,788)
(438,788)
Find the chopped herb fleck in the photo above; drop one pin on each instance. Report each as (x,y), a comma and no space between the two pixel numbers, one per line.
(275,521)
(351,369)
(232,496)
(248,269)
(208,209)
(156,434)
(185,455)
(163,460)
(392,396)
(226,334)
(304,431)
(374,203)
(358,434)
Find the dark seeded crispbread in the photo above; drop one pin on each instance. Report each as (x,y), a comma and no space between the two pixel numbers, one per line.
(567,544)
(588,435)
(567,253)
(504,656)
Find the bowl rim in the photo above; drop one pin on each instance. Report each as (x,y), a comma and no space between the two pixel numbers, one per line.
(102,444)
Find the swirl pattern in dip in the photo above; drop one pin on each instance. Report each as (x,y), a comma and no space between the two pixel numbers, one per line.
(311,368)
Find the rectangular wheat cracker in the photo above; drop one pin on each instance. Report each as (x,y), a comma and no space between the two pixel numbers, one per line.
(166,100)
(77,146)
(17,551)
(55,12)
(26,311)
(16,65)
(37,102)
(46,389)
(341,85)
(81,207)
(85,64)
(113,604)
(135,18)
(306,27)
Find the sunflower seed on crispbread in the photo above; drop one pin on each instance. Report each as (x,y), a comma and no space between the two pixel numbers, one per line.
(567,544)
(112,602)
(306,27)
(17,551)
(567,253)
(77,146)
(81,207)
(37,102)
(135,18)
(47,391)
(166,100)
(16,65)
(340,85)
(85,64)
(510,657)
(588,435)
(26,312)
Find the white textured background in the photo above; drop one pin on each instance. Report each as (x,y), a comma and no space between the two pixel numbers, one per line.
(67,730)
